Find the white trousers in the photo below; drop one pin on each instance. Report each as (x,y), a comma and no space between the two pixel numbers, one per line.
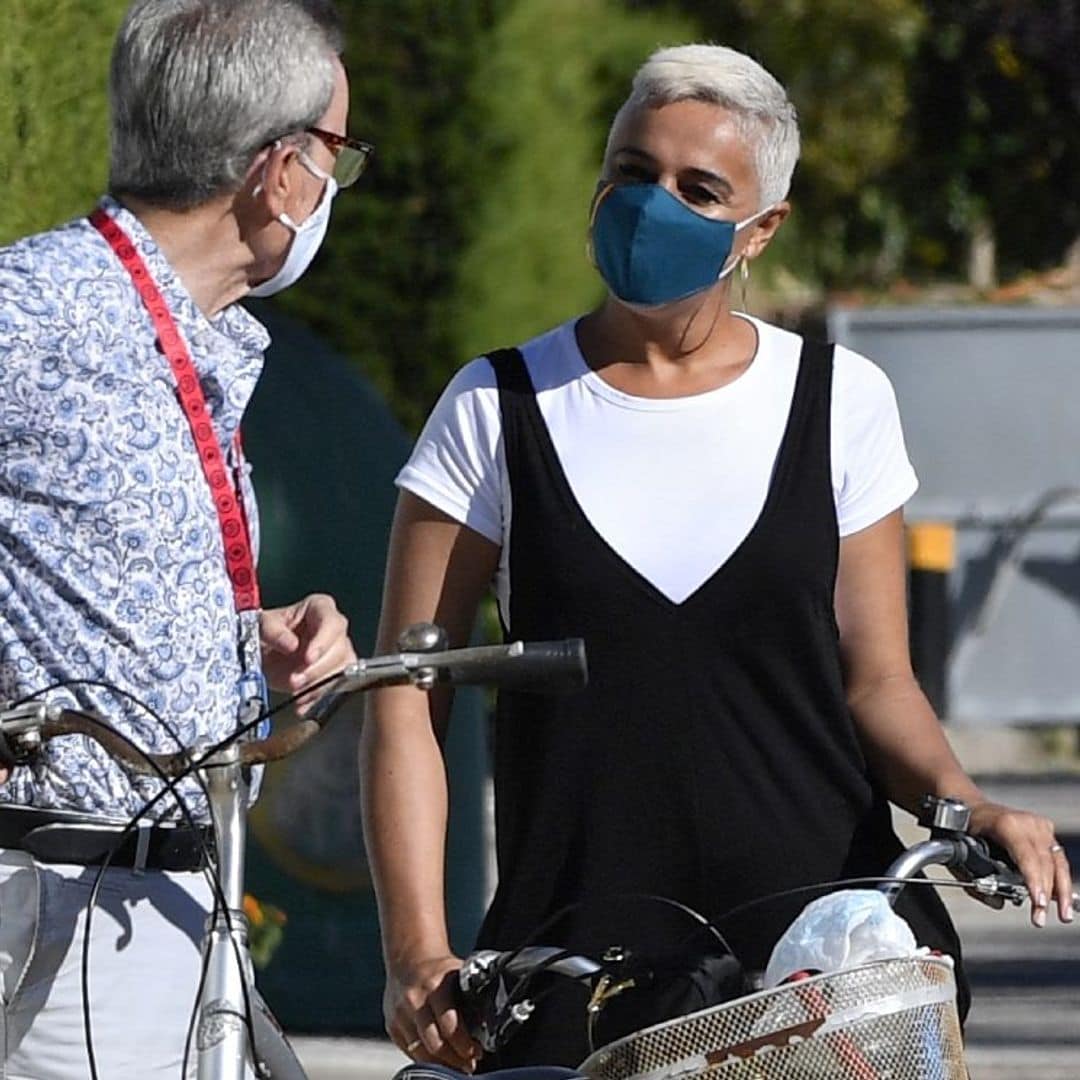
(144,965)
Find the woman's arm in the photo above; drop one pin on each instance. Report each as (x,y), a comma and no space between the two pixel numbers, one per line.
(902,738)
(437,571)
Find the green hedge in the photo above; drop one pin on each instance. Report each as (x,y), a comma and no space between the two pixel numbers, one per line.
(54,59)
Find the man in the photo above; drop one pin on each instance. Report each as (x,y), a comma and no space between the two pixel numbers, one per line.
(127,521)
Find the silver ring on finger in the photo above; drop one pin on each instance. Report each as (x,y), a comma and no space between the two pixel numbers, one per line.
(1055,848)
(414,1046)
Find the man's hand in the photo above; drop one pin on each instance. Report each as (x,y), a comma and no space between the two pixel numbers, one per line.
(303,643)
(421,1014)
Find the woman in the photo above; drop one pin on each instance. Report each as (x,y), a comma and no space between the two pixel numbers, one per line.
(715,506)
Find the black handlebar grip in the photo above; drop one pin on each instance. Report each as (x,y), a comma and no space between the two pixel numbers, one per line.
(543,667)
(987,858)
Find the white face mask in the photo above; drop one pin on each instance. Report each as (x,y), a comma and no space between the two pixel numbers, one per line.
(307,237)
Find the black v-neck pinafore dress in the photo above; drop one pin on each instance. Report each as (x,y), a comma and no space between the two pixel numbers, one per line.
(712,758)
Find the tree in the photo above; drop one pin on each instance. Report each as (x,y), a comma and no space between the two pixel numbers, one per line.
(382,290)
(930,129)
(995,136)
(489,121)
(845,67)
(556,72)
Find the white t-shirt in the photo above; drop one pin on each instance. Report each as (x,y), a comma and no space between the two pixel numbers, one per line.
(672,485)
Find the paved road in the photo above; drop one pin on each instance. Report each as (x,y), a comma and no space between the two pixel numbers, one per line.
(1025,1022)
(349,1059)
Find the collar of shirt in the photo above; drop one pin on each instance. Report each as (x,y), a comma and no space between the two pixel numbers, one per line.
(227,350)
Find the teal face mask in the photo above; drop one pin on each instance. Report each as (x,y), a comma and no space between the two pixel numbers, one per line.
(651,248)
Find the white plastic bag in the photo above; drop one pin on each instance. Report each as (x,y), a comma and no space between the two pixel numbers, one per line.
(837,931)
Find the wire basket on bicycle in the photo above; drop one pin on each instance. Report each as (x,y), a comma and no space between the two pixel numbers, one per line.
(887,1020)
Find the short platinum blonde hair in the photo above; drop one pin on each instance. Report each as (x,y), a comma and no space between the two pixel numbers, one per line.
(764,115)
(198,87)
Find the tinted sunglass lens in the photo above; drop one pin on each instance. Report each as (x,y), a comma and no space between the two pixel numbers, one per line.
(349,165)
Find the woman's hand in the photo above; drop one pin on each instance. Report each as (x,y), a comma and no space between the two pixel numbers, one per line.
(1030,841)
(422,1018)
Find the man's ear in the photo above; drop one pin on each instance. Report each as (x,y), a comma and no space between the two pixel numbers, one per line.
(761,232)
(270,180)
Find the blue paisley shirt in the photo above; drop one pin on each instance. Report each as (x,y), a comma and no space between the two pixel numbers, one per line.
(111,562)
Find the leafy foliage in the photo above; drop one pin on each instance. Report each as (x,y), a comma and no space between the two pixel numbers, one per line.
(924,121)
(489,120)
(556,72)
(266,928)
(995,132)
(846,68)
(54,59)
(383,288)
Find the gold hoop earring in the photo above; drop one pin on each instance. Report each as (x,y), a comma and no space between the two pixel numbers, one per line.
(744,278)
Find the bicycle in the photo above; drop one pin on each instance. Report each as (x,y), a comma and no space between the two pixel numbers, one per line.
(890,1019)
(234,1029)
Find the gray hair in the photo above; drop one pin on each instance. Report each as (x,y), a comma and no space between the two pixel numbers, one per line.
(197,87)
(763,115)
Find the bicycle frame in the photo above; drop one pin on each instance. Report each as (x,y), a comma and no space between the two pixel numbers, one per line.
(234,1031)
(221,1032)
(229,997)
(230,1008)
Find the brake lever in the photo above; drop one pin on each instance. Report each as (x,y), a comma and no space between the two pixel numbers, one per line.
(481,998)
(981,862)
(996,892)
(995,879)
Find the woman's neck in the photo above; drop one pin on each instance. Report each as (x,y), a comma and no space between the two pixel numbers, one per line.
(686,349)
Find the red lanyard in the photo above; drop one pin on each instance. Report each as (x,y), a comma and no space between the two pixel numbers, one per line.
(235,535)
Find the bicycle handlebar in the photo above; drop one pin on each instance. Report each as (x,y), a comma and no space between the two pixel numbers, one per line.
(547,667)
(543,667)
(493,1014)
(996,880)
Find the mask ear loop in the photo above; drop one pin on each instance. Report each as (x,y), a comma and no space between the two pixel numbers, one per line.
(744,262)
(284,218)
(258,188)
(602,192)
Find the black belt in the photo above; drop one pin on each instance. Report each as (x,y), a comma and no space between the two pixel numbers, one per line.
(55,837)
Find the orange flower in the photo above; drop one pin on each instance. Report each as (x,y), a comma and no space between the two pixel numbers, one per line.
(253,910)
(264,929)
